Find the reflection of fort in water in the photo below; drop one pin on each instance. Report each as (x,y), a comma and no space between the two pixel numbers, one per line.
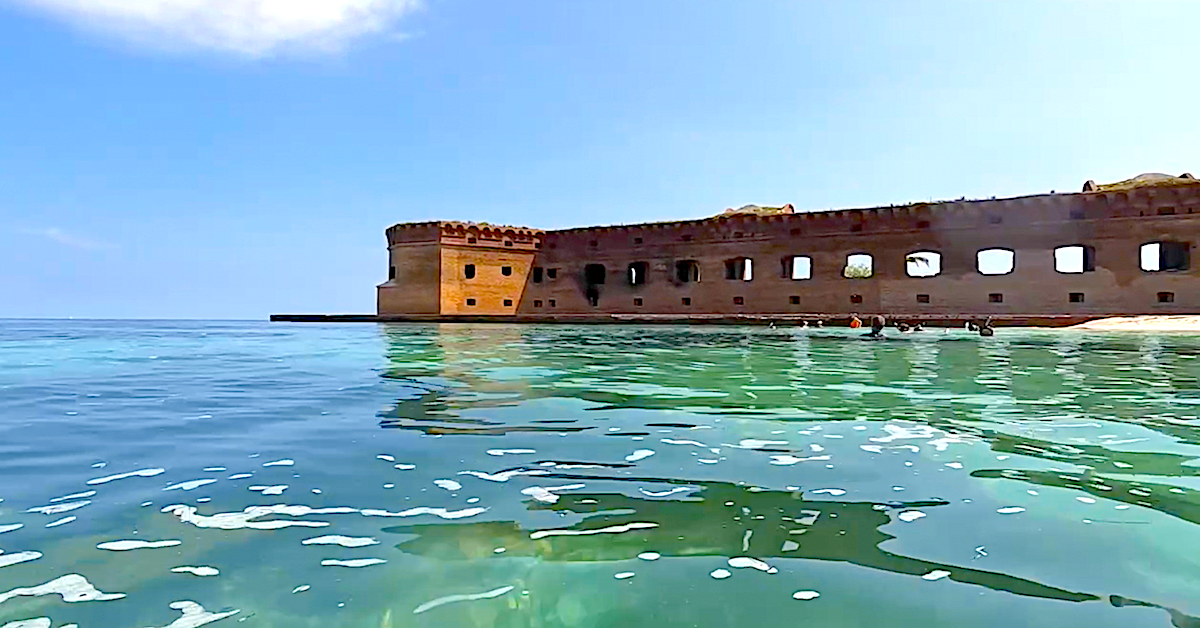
(957,385)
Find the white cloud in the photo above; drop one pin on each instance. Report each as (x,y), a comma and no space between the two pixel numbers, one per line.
(247,27)
(55,234)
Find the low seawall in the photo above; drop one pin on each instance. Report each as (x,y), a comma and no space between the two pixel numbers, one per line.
(955,320)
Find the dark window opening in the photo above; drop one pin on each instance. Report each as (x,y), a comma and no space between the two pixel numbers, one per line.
(594,243)
(1076,297)
(687,301)
(508,303)
(508,243)
(637,240)
(391,273)
(506,270)
(637,301)
(537,245)
(739,301)
(995,297)
(470,301)
(1076,214)
(537,303)
(922,298)
(552,273)
(739,269)
(856,298)
(471,240)
(1165,256)
(1166,297)
(594,273)
(638,272)
(537,274)
(1076,258)
(794,300)
(922,224)
(687,271)
(553,303)
(469,271)
(797,267)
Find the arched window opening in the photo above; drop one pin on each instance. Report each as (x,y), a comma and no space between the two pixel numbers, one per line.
(859,266)
(995,261)
(469,271)
(1165,256)
(638,272)
(594,273)
(739,269)
(797,267)
(1074,259)
(923,264)
(687,271)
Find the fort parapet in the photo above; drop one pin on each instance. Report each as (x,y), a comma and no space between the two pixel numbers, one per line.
(1118,249)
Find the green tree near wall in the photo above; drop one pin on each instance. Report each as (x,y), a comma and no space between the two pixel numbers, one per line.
(862,271)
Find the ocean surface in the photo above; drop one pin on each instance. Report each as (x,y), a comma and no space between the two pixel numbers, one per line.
(181,474)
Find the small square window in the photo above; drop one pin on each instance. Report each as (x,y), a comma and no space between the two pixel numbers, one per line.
(637,240)
(552,303)
(508,303)
(739,301)
(469,271)
(922,298)
(537,303)
(552,273)
(470,301)
(506,270)
(391,273)
(687,301)
(637,301)
(1166,297)
(995,297)
(537,245)
(794,300)
(1076,297)
(508,243)
(471,240)
(593,243)
(856,298)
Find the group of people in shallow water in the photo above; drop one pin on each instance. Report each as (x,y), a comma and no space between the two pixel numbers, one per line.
(878,323)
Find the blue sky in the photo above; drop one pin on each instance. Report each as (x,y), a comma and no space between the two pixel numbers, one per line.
(233,158)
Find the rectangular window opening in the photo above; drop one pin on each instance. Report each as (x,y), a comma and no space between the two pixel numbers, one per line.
(856,298)
(470,301)
(739,301)
(739,269)
(686,301)
(638,273)
(471,240)
(508,303)
(797,267)
(469,271)
(537,303)
(794,300)
(391,273)
(537,274)
(506,270)
(552,273)
(1165,256)
(1166,297)
(553,303)
(508,243)
(1076,297)
(995,297)
(687,271)
(637,302)
(922,298)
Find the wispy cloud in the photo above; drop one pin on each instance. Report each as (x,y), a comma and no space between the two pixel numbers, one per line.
(245,27)
(54,234)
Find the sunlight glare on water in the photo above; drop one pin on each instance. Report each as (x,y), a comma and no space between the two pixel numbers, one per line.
(611,476)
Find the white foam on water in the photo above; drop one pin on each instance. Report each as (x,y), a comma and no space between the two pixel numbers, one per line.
(910,515)
(449,485)
(649,556)
(302,588)
(500,550)
(425,510)
(344,541)
(246,518)
(540,494)
(406,467)
(125,546)
(473,500)
(672,441)
(745,562)
(59,508)
(214,469)
(1010,510)
(790,546)
(190,485)
(61,522)
(40,622)
(954,465)
(707,461)
(805,595)
(10,527)
(617,529)
(386,457)
(836,492)
(278,489)
(203,572)
(678,489)
(624,575)
(875,449)
(1123,507)
(71,587)
(720,574)
(786,460)
(754,443)
(503,476)
(316,491)
(355,563)
(1122,465)
(286,462)
(1086,500)
(241,476)
(70,497)
(389,486)
(100,465)
(141,473)
(7,560)
(449,599)
(195,616)
(817,448)
(510,452)
(936,574)
(640,454)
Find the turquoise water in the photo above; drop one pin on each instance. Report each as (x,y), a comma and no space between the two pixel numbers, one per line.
(459,475)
